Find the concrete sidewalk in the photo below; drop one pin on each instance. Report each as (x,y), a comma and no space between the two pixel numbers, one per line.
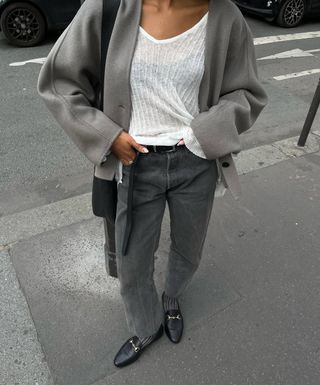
(251,312)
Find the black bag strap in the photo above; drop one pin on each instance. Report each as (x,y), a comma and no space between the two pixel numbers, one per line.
(109,14)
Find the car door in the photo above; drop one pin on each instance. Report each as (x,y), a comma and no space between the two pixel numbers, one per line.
(315,7)
(62,11)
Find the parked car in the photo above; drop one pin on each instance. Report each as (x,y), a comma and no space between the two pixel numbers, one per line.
(285,13)
(26,23)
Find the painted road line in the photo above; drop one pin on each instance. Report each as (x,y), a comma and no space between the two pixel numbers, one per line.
(288,54)
(286,37)
(40,60)
(297,74)
(26,224)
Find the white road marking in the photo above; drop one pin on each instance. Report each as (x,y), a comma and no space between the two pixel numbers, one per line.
(286,37)
(40,60)
(297,74)
(288,54)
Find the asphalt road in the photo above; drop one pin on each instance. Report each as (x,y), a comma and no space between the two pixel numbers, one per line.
(39,163)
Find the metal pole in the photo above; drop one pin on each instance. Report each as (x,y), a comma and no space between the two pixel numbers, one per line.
(310,117)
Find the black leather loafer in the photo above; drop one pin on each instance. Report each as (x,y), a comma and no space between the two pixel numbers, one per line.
(173,323)
(131,350)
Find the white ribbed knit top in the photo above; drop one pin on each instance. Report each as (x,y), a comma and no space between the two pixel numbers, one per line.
(165,79)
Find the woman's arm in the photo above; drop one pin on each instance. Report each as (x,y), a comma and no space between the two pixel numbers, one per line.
(68,84)
(242,98)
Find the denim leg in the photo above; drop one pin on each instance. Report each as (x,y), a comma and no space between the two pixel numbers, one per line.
(190,200)
(136,268)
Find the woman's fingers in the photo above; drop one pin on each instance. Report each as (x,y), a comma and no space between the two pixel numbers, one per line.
(124,148)
(138,146)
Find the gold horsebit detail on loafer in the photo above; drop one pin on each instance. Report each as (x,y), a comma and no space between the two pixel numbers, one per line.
(173,316)
(136,348)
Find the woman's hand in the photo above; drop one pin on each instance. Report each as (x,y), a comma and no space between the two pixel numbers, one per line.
(124,147)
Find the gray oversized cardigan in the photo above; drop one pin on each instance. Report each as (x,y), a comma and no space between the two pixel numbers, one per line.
(231,95)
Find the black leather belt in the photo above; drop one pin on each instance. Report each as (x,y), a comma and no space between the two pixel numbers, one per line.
(151,148)
(154,148)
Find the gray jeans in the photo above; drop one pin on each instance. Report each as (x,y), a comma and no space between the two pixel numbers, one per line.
(187,182)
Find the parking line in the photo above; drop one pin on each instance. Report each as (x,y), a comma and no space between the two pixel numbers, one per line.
(297,74)
(286,37)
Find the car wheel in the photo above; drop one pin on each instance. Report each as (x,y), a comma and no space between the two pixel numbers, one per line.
(291,13)
(23,24)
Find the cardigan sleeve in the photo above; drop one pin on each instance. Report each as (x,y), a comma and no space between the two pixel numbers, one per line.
(68,83)
(241,99)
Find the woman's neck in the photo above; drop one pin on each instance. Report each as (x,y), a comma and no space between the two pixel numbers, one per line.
(174,4)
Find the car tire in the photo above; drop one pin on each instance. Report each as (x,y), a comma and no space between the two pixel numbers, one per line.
(270,19)
(23,24)
(291,13)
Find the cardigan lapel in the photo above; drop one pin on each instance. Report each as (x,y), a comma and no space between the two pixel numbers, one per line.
(118,63)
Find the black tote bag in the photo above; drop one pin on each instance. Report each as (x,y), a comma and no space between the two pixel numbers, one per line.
(104,192)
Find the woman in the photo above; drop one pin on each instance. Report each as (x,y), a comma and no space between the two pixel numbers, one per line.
(181,84)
